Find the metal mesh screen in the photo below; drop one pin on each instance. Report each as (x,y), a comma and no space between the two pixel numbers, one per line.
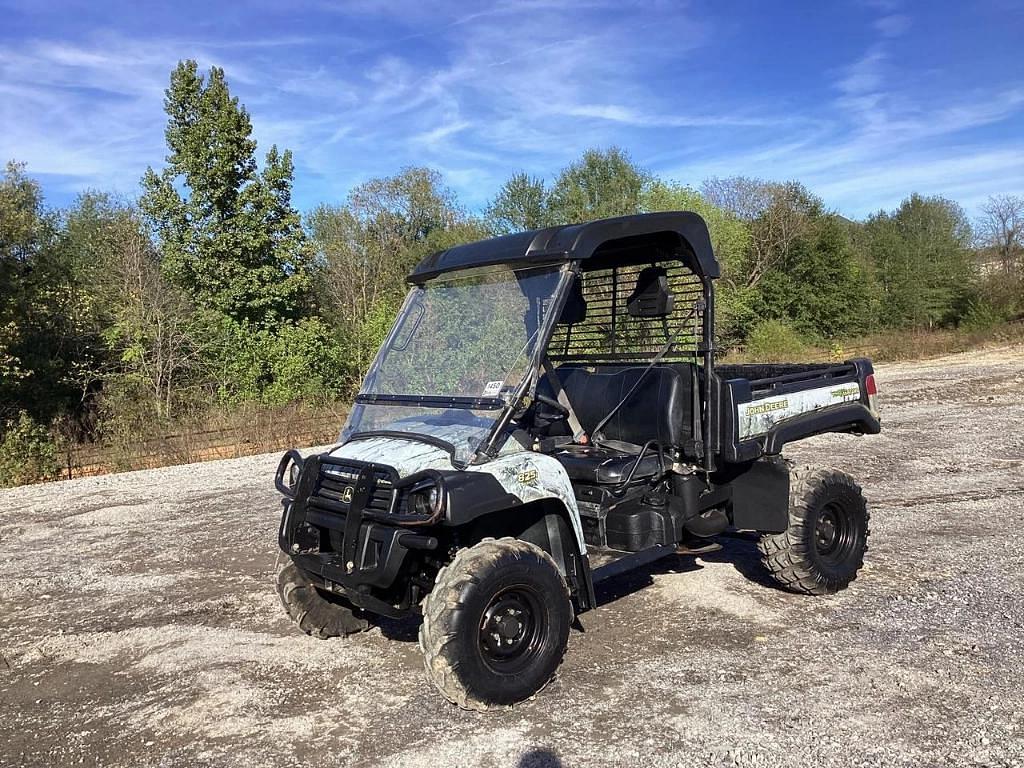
(610,334)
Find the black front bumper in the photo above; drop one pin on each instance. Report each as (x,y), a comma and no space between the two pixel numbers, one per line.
(333,531)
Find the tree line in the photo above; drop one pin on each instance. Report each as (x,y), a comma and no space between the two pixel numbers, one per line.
(211,290)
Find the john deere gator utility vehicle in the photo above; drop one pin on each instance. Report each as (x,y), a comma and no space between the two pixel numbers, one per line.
(547,413)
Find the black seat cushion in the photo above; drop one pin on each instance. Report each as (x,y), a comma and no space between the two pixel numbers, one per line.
(593,464)
(659,409)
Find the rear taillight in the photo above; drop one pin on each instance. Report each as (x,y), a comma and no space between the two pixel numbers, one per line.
(872,390)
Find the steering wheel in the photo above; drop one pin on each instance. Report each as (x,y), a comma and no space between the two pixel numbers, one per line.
(552,403)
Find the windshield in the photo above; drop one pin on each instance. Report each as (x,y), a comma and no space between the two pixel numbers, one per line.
(462,345)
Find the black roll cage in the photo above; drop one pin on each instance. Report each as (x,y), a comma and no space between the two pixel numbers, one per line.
(624,240)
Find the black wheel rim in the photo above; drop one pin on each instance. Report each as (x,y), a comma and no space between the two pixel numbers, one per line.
(512,630)
(835,535)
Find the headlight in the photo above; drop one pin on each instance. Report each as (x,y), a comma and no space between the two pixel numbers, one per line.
(425,500)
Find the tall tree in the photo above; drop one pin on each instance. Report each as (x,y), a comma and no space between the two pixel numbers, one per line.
(779,215)
(922,259)
(20,235)
(228,233)
(819,285)
(40,338)
(602,183)
(521,204)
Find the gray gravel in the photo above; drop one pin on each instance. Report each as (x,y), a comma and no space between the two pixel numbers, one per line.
(138,626)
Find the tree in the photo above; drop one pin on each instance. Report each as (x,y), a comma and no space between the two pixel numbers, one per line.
(228,233)
(20,234)
(819,286)
(779,214)
(922,259)
(742,196)
(40,338)
(602,183)
(1001,230)
(154,336)
(366,248)
(521,204)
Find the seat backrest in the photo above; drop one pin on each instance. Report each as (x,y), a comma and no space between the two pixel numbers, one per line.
(659,409)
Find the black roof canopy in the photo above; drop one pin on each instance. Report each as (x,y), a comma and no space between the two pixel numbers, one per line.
(622,240)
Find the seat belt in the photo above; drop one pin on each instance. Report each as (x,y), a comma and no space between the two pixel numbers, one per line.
(579,435)
(698,306)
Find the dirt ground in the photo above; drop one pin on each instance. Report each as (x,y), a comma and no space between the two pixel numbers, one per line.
(139,626)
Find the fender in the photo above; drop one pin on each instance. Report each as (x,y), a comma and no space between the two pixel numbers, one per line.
(530,476)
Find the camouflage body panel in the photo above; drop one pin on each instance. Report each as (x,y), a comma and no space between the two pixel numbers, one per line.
(527,475)
(759,416)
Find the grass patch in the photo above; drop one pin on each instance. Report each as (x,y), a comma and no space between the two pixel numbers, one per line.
(886,346)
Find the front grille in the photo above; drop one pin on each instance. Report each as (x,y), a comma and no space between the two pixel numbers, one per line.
(333,481)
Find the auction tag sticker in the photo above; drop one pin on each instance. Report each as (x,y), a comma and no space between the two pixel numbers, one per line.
(493,388)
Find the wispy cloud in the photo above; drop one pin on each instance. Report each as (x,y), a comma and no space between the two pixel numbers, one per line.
(363,88)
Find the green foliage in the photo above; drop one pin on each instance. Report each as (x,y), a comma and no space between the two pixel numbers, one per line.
(300,361)
(228,233)
(20,232)
(41,336)
(1002,293)
(922,258)
(602,183)
(981,315)
(521,204)
(118,321)
(775,341)
(820,286)
(27,453)
(366,248)
(738,309)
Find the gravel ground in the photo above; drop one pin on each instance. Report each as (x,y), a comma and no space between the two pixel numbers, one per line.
(139,627)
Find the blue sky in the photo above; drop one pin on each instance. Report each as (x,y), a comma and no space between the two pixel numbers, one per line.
(863,101)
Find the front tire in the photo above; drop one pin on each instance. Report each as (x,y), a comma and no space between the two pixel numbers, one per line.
(496,624)
(312,611)
(823,548)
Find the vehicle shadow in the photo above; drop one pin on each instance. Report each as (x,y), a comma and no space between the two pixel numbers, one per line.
(539,758)
(740,551)
(404,630)
(633,581)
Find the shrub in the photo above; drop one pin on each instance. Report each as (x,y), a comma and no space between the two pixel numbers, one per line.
(981,315)
(299,361)
(775,341)
(128,414)
(28,453)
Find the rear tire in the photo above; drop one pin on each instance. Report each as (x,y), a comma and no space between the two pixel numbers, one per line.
(315,613)
(823,548)
(496,624)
